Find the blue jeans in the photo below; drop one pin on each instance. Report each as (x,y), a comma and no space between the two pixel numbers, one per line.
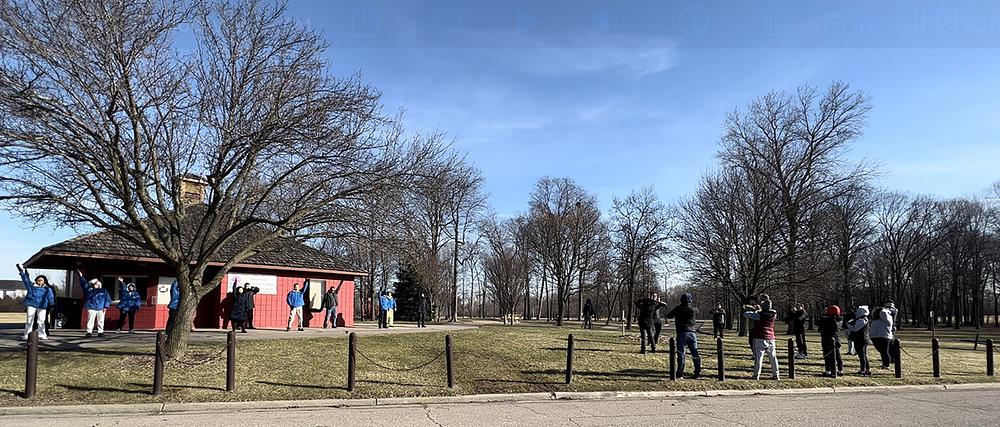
(331,316)
(688,340)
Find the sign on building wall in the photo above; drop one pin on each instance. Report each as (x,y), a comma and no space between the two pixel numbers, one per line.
(268,284)
(163,290)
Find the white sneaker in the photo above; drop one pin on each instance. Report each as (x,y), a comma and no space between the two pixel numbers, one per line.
(43,337)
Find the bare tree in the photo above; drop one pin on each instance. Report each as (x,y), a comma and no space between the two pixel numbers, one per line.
(506,262)
(641,227)
(565,225)
(102,112)
(796,143)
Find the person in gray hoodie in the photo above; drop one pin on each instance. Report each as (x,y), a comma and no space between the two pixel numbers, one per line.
(859,329)
(881,332)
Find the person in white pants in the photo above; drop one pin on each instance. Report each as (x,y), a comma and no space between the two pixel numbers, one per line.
(38,299)
(96,300)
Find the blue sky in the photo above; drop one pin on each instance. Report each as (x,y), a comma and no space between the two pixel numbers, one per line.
(624,94)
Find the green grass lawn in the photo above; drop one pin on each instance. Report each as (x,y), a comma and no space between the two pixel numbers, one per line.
(492,359)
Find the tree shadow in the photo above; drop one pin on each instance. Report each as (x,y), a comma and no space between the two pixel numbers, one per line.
(401,384)
(17,393)
(103,389)
(642,375)
(602,350)
(178,386)
(312,386)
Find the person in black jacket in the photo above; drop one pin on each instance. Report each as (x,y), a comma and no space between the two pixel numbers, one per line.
(330,304)
(718,321)
(240,308)
(423,310)
(687,337)
(250,292)
(798,318)
(829,333)
(588,315)
(649,313)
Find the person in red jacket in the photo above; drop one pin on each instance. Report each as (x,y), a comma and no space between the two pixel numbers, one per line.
(763,338)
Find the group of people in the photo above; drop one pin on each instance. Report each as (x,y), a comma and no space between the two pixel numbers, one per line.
(862,329)
(242,306)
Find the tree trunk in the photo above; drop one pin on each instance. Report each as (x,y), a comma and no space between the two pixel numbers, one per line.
(177,340)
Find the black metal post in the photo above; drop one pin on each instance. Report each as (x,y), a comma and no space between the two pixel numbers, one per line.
(31,366)
(722,360)
(791,359)
(989,357)
(569,360)
(158,365)
(449,361)
(897,353)
(673,359)
(352,360)
(936,357)
(231,361)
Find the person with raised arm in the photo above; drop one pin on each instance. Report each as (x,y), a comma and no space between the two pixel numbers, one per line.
(129,302)
(96,301)
(295,300)
(37,302)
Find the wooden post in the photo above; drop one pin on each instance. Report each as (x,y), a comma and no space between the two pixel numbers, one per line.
(231,361)
(449,365)
(791,359)
(936,357)
(352,360)
(673,359)
(569,360)
(989,357)
(158,365)
(897,353)
(31,366)
(722,360)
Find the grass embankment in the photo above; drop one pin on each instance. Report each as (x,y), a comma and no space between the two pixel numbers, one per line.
(489,360)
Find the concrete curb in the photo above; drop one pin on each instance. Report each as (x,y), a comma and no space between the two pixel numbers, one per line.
(201,407)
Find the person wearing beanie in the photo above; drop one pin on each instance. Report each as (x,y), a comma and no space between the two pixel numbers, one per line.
(129,302)
(687,336)
(829,333)
(859,336)
(763,338)
(649,314)
(96,301)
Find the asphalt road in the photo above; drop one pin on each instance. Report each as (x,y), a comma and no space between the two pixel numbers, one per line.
(890,408)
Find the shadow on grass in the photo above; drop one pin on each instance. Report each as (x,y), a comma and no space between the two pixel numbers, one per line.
(312,386)
(402,384)
(519,382)
(622,375)
(178,386)
(104,389)
(16,393)
(563,349)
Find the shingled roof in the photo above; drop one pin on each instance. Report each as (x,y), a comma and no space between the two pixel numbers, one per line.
(286,253)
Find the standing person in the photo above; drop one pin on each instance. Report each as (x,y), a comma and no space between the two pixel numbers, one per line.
(588,314)
(881,334)
(129,302)
(175,301)
(763,338)
(249,292)
(423,310)
(751,305)
(50,311)
(648,314)
(240,309)
(296,299)
(859,336)
(848,318)
(799,329)
(829,335)
(383,305)
(391,313)
(687,336)
(96,301)
(37,302)
(718,321)
(330,304)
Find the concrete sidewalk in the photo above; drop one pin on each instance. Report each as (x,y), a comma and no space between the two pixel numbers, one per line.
(73,339)
(968,404)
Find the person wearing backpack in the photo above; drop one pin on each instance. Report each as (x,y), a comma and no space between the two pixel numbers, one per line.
(859,336)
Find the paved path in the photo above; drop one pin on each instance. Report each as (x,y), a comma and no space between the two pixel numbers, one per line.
(73,339)
(884,408)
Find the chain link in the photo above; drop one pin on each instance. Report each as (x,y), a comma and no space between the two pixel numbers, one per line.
(398,369)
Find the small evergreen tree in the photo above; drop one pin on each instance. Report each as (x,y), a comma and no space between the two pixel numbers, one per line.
(407,293)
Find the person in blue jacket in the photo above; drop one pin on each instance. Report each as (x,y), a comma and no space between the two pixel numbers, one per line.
(295,300)
(175,301)
(37,301)
(129,302)
(384,305)
(96,301)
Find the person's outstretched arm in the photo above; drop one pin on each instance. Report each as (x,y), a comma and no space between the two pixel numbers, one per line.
(83,282)
(752,315)
(25,277)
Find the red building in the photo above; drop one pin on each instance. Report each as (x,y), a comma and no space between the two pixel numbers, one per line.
(106,256)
